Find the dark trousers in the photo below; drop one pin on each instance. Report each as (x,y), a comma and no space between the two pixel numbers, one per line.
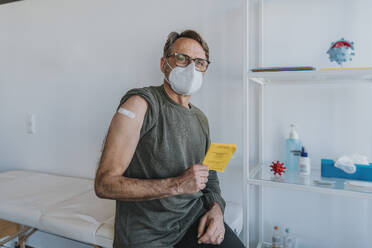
(190,239)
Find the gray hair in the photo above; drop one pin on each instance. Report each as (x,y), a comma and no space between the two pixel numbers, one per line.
(173,36)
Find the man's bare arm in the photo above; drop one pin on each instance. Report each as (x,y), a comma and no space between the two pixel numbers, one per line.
(121,143)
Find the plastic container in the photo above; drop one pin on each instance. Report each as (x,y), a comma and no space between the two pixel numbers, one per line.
(276,239)
(293,149)
(363,172)
(304,165)
(288,240)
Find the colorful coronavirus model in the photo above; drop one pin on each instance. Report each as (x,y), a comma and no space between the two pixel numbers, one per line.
(278,168)
(341,51)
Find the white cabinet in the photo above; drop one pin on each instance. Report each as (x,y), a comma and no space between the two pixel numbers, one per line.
(257,159)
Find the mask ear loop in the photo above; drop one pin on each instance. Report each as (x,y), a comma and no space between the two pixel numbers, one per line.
(166,60)
(165,78)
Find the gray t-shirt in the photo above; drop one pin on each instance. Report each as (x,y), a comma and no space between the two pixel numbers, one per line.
(172,139)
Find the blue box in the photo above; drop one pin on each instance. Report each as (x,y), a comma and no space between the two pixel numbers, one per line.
(363,172)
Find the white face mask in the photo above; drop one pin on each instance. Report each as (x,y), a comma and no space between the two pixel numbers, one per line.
(185,80)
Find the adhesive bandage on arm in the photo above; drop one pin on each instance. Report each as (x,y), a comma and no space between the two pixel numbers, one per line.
(127,113)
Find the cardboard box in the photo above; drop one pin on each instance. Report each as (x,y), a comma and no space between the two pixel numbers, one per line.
(363,172)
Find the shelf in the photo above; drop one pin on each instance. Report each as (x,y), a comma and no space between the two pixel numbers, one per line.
(267,245)
(318,76)
(264,245)
(261,175)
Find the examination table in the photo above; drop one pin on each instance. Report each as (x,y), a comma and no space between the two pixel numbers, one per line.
(66,206)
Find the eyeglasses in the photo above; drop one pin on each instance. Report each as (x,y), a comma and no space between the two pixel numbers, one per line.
(184,60)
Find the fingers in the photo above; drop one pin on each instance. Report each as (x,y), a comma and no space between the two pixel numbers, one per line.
(201,228)
(200,167)
(208,236)
(216,237)
(202,182)
(214,234)
(219,236)
(193,179)
(200,170)
(202,186)
(203,173)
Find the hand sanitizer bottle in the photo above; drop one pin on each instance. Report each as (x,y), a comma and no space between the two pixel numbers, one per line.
(276,239)
(293,149)
(304,166)
(288,240)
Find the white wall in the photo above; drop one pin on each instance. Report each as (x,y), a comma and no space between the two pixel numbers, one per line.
(332,120)
(69,62)
(300,32)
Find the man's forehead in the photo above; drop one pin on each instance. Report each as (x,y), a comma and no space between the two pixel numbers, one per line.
(190,47)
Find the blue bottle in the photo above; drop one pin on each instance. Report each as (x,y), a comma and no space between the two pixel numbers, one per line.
(293,150)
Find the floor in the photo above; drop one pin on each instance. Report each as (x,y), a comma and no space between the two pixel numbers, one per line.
(39,239)
(6,229)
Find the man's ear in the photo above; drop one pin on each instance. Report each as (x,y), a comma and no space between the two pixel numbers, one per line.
(162,64)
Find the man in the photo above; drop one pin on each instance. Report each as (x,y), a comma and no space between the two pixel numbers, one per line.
(151,160)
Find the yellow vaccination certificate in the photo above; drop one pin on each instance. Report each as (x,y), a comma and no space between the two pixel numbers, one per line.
(218,156)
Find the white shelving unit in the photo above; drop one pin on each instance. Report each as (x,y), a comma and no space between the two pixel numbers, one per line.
(262,176)
(264,245)
(313,77)
(259,175)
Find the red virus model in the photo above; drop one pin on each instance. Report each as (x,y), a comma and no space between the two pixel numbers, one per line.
(278,168)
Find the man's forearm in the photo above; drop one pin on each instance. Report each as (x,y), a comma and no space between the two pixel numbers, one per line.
(133,189)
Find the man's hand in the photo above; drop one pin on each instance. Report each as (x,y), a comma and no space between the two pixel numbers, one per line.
(213,222)
(193,179)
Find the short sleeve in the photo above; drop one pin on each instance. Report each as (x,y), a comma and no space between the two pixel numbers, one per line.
(152,112)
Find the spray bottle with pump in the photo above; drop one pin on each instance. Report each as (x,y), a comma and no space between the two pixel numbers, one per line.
(293,149)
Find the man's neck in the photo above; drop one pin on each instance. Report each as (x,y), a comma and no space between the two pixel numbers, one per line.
(180,99)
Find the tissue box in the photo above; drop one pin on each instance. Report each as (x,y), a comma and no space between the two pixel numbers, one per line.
(363,172)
